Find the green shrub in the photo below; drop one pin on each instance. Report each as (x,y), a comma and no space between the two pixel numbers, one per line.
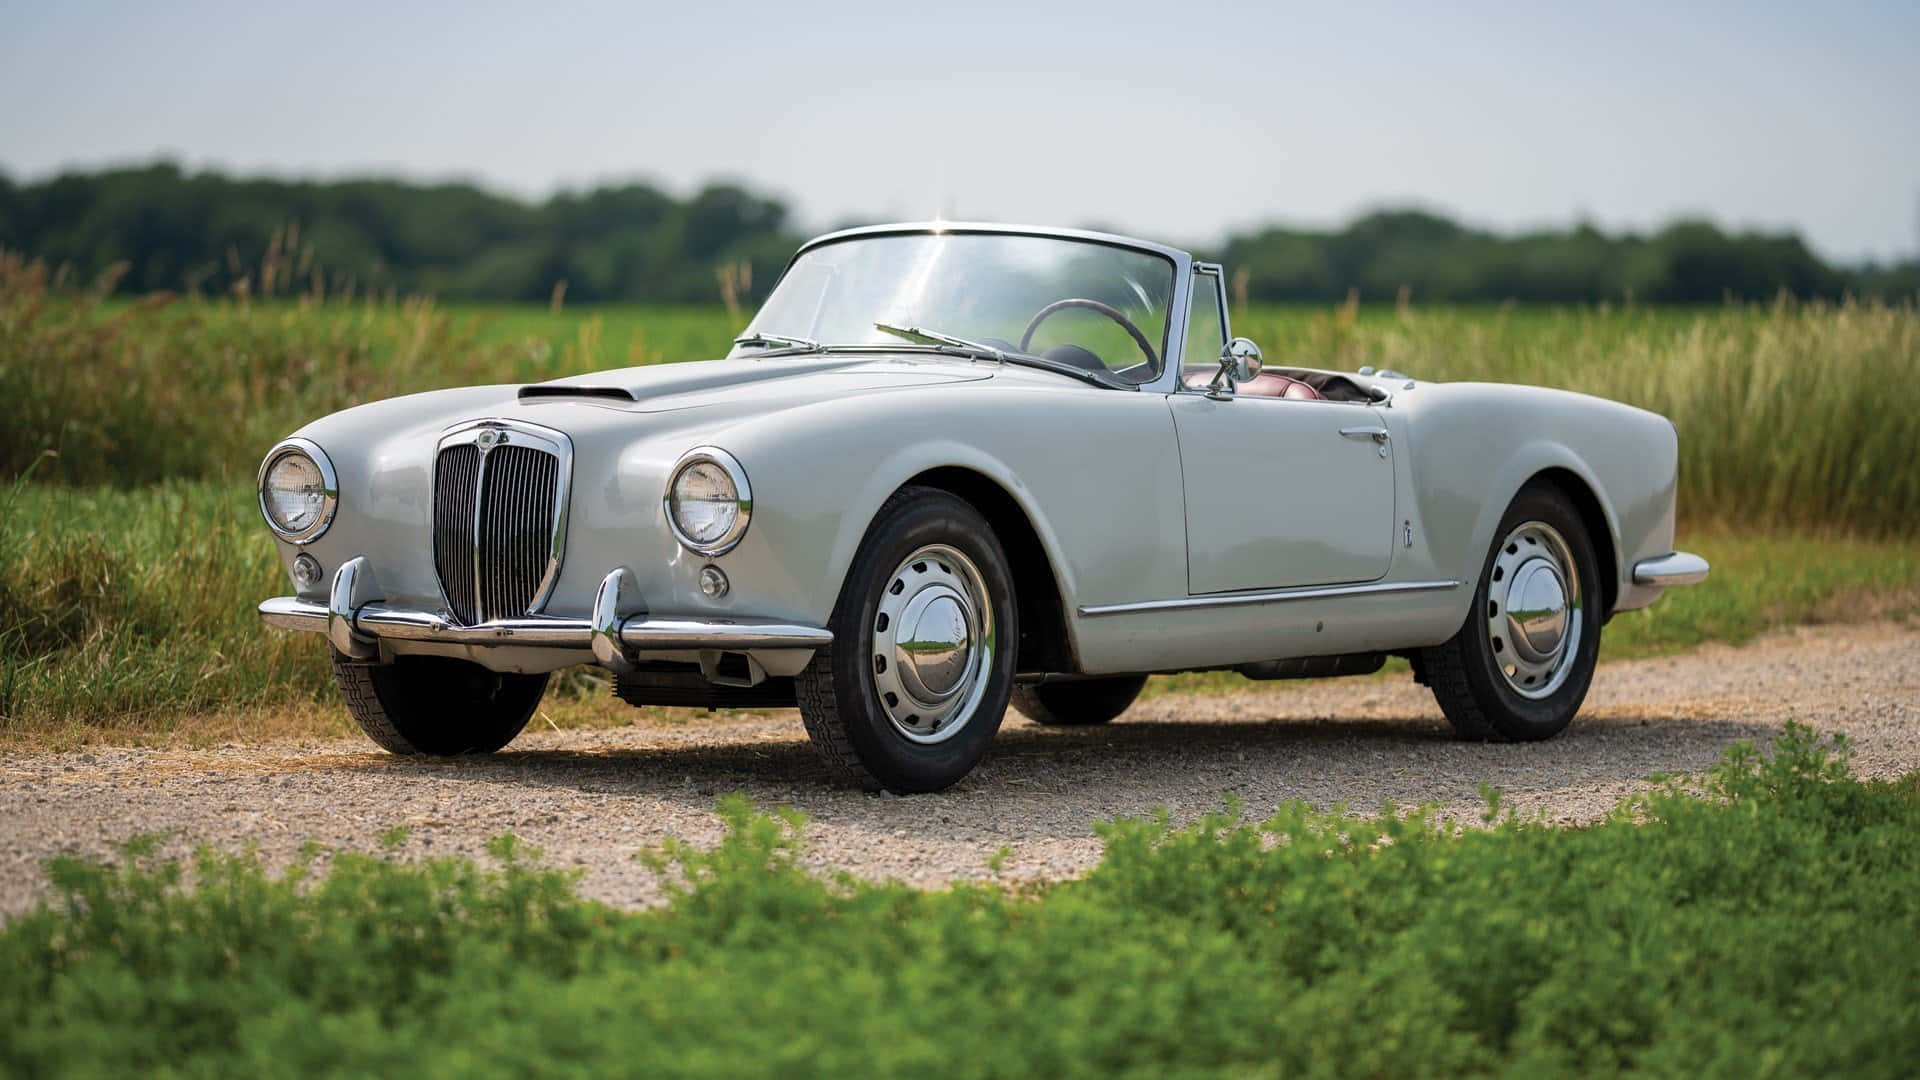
(1764,927)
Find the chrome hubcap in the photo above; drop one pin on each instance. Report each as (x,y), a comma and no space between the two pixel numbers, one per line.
(1533,615)
(932,643)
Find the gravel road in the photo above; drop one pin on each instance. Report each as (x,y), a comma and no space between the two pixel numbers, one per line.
(591,798)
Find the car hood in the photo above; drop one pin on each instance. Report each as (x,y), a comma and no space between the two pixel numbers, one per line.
(645,403)
(750,382)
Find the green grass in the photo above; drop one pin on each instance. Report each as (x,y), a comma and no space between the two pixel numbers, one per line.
(1798,415)
(1764,928)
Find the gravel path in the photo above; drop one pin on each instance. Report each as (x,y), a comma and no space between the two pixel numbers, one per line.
(591,798)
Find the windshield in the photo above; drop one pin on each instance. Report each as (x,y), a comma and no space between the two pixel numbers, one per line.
(1078,303)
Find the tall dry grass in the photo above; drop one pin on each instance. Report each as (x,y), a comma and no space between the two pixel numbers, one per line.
(1790,414)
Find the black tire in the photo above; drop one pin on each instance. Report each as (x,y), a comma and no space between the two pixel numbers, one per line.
(1079,702)
(839,695)
(1467,672)
(437,705)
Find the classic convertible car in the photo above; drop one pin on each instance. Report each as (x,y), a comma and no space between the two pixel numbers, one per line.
(951,467)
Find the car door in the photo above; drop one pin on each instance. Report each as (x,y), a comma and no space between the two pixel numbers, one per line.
(1280,492)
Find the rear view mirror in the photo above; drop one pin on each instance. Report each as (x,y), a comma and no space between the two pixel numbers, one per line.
(1239,362)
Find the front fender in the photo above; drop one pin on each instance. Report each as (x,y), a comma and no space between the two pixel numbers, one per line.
(1096,473)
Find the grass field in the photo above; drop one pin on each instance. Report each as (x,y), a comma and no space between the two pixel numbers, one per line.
(131,555)
(1789,415)
(1762,928)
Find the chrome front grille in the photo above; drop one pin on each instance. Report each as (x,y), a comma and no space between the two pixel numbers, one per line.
(499,518)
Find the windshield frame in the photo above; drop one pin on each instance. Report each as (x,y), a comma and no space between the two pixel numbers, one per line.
(1167,381)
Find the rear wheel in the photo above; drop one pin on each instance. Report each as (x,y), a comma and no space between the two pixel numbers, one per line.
(1521,664)
(913,688)
(437,705)
(1078,702)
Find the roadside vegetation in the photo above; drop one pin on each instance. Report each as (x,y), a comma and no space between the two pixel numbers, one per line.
(131,555)
(1763,926)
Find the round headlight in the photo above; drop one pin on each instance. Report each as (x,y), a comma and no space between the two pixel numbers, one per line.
(298,492)
(708,501)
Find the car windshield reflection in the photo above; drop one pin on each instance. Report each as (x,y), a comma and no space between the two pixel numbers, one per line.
(1079,305)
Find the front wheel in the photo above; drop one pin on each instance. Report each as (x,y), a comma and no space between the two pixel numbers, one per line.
(1520,666)
(437,705)
(913,688)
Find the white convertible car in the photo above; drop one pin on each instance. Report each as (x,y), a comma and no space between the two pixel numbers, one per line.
(951,467)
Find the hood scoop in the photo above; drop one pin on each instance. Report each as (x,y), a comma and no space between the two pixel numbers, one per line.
(540,391)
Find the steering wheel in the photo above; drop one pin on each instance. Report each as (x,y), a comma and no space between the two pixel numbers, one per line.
(1140,339)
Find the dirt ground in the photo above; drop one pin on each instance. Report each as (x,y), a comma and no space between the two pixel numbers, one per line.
(591,798)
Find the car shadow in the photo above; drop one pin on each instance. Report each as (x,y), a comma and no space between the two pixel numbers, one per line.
(1129,768)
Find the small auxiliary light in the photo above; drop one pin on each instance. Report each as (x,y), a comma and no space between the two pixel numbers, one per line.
(713,582)
(306,571)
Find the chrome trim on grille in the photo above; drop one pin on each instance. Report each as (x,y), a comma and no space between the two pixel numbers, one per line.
(504,480)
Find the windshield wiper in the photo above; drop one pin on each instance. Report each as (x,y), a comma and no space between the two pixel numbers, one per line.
(934,337)
(762,340)
(950,343)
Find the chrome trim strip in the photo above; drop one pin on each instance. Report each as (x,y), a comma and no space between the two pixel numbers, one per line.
(328,478)
(1678,568)
(1271,596)
(1085,235)
(640,633)
(666,635)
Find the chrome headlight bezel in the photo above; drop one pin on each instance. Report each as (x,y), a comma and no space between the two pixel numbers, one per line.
(329,480)
(742,499)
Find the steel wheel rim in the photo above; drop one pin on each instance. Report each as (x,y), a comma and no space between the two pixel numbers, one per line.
(933,644)
(1534,618)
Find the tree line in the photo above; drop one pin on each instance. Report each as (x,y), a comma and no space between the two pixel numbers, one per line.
(161,228)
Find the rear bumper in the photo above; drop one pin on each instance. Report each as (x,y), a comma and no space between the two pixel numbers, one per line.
(1678,568)
(620,633)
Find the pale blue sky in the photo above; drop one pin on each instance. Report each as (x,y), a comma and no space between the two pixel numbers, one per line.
(1173,120)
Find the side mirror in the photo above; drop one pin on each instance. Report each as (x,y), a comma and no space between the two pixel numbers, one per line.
(1243,358)
(1239,362)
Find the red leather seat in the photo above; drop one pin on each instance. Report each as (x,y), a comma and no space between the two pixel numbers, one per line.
(1272,384)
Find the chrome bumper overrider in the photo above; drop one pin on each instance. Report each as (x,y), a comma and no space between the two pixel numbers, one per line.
(1679,568)
(619,633)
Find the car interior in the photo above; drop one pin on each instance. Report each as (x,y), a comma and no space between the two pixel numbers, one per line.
(1298,384)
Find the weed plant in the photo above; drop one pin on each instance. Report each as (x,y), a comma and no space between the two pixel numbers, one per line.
(1767,926)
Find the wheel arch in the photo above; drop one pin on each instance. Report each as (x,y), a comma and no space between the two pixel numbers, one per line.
(1046,641)
(1593,516)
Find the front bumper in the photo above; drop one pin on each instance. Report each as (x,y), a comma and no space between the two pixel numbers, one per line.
(620,634)
(1678,568)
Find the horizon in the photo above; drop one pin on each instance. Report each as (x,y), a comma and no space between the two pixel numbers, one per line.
(1506,118)
(809,230)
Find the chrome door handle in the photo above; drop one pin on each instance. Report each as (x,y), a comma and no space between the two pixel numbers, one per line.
(1377,434)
